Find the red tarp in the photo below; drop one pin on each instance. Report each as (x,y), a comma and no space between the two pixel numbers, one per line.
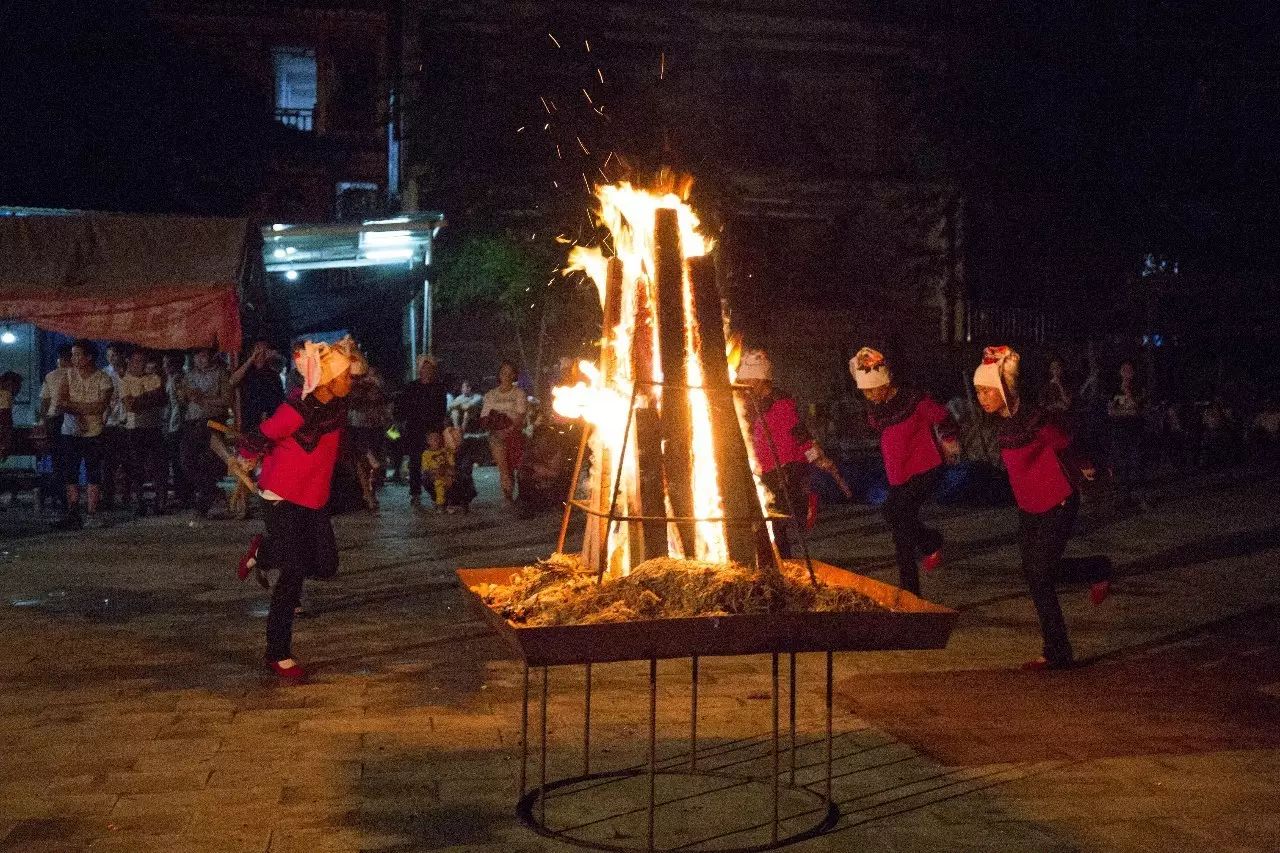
(165,282)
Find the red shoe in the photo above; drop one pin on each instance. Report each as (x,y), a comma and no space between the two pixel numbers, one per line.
(1042,665)
(1099,591)
(250,558)
(293,672)
(932,562)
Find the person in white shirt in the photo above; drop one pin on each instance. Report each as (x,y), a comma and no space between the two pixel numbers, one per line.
(143,398)
(82,396)
(115,443)
(464,407)
(503,413)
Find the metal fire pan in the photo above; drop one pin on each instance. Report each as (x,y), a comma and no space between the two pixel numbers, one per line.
(906,622)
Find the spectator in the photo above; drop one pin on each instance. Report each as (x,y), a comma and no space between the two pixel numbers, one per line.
(1217,422)
(437,465)
(171,424)
(1055,394)
(465,407)
(503,414)
(115,444)
(83,395)
(1266,432)
(205,389)
(1125,419)
(367,426)
(143,398)
(10,385)
(421,408)
(258,380)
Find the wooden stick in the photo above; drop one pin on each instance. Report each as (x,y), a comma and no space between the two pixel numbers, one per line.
(737,486)
(648,539)
(677,461)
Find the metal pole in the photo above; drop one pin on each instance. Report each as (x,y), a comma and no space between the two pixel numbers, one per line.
(586,726)
(524,733)
(653,743)
(693,715)
(829,739)
(427,318)
(791,699)
(542,765)
(774,835)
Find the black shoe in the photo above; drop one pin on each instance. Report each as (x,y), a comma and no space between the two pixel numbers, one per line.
(71,521)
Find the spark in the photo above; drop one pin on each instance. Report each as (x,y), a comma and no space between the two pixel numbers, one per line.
(607,159)
(603,175)
(587,95)
(518,129)
(600,74)
(547,126)
(553,40)
(558,155)
(553,105)
(580,145)
(585,182)
(600,110)
(544,104)
(588,44)
(556,184)
(662,65)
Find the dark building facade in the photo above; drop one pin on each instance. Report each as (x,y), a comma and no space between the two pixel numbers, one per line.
(320,69)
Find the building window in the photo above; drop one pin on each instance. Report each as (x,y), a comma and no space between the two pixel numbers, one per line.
(295,87)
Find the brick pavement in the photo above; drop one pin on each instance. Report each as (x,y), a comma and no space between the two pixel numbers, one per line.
(134,716)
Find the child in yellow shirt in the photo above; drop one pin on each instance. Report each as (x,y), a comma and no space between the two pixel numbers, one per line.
(438,466)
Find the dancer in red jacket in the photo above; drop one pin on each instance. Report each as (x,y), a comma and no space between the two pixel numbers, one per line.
(1035,447)
(916,435)
(298,446)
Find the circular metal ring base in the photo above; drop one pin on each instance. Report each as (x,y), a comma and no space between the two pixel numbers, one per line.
(527,810)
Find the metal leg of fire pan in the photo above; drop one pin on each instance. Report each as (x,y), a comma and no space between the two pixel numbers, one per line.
(524,734)
(693,713)
(653,745)
(542,765)
(586,723)
(791,716)
(829,738)
(774,781)
(531,808)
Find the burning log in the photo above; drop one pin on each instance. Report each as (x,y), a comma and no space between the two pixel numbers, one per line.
(677,459)
(747,542)
(596,542)
(648,539)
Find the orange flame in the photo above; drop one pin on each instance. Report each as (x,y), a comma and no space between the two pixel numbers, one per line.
(629,213)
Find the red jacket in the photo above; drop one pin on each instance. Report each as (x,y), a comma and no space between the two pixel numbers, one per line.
(300,441)
(1032,452)
(907,441)
(778,427)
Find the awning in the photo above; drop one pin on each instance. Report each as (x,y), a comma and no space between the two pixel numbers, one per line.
(166,282)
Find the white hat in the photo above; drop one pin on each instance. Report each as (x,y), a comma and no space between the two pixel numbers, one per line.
(999,370)
(868,369)
(755,364)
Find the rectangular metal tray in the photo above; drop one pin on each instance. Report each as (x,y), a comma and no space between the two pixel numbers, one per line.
(907,622)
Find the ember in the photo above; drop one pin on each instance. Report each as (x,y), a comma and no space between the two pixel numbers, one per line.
(563,591)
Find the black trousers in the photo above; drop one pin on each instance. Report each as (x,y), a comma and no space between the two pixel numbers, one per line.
(1043,537)
(300,544)
(789,488)
(413,443)
(911,538)
(200,466)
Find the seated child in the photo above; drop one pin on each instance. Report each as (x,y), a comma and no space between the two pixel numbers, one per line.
(437,467)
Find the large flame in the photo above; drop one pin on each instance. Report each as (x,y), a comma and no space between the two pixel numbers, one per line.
(629,214)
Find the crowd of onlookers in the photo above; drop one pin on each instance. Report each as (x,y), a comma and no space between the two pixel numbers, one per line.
(138,433)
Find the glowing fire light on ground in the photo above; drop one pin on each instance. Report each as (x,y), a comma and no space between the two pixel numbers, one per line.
(605,397)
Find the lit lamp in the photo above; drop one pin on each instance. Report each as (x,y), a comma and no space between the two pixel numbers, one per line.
(8,337)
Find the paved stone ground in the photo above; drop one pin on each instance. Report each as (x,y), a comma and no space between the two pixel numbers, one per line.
(134,714)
